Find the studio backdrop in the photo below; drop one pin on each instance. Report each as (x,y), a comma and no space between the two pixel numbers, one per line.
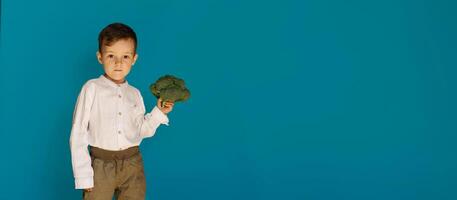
(312,99)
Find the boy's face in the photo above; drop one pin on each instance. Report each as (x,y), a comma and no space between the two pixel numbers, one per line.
(117,59)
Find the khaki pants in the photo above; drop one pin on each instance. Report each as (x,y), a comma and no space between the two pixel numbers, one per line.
(117,173)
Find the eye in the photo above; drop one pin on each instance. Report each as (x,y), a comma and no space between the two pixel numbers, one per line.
(110,56)
(126,57)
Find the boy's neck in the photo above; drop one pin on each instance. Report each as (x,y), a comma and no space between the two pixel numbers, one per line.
(115,81)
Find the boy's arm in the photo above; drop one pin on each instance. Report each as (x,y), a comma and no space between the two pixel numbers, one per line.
(149,123)
(80,158)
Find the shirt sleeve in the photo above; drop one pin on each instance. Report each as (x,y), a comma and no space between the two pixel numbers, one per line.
(149,123)
(80,158)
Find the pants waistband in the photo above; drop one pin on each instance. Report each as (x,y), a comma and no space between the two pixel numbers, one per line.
(113,155)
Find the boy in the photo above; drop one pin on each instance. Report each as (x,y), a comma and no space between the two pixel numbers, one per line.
(110,119)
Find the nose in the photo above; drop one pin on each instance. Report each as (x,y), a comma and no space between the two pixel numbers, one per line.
(118,61)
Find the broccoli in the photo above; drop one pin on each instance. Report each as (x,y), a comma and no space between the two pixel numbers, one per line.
(170,88)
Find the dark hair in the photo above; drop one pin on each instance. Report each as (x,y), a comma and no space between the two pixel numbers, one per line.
(115,32)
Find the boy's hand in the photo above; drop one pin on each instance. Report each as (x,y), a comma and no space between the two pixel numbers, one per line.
(88,189)
(167,106)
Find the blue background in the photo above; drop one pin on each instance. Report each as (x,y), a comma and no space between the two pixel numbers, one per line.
(316,99)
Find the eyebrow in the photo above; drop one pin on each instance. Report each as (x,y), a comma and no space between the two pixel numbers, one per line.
(113,52)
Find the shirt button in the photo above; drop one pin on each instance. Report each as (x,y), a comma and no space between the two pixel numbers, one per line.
(120,113)
(119,96)
(119,132)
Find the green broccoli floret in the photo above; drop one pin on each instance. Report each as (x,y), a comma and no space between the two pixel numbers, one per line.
(170,88)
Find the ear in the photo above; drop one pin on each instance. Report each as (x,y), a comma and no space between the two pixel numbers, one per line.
(134,58)
(99,57)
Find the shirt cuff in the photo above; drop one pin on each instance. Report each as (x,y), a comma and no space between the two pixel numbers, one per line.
(84,182)
(156,113)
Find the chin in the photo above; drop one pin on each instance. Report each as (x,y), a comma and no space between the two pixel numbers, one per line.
(117,77)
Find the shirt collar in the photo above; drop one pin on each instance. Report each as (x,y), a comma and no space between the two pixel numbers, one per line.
(113,84)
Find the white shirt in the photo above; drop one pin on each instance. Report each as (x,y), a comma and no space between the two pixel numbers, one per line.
(109,116)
